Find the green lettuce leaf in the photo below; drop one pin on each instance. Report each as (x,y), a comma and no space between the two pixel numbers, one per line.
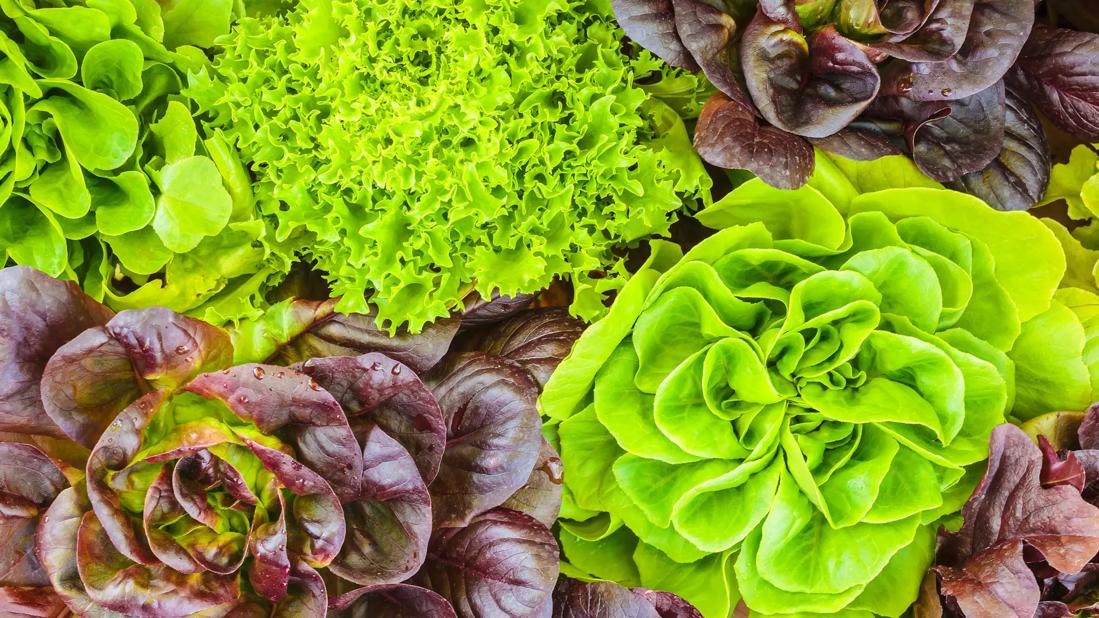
(784,414)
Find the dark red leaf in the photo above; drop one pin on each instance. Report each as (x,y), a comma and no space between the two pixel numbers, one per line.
(375,389)
(112,455)
(389,523)
(483,312)
(812,87)
(95,375)
(1059,71)
(503,564)
(493,435)
(1088,432)
(316,525)
(651,23)
(281,400)
(669,605)
(995,583)
(55,546)
(709,34)
(858,142)
(1018,177)
(982,565)
(38,314)
(29,482)
(392,601)
(116,583)
(320,332)
(935,37)
(729,135)
(950,139)
(538,340)
(574,599)
(997,30)
(541,496)
(1057,471)
(270,569)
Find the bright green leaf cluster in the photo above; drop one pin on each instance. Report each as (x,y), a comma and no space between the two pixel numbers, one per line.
(1068,376)
(104,175)
(784,414)
(417,150)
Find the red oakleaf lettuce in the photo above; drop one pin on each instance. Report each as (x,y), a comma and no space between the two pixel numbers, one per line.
(1031,531)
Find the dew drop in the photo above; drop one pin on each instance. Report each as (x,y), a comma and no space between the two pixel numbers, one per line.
(947,91)
(396,370)
(555,471)
(313,385)
(374,366)
(182,349)
(243,399)
(258,372)
(225,372)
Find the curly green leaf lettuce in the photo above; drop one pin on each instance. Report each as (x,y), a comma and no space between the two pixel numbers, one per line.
(781,415)
(417,150)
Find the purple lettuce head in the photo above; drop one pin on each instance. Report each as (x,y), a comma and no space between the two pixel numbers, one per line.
(867,78)
(350,473)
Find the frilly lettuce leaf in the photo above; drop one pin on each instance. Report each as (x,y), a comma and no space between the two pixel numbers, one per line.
(416,151)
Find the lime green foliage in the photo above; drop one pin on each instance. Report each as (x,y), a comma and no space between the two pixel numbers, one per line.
(785,414)
(104,175)
(416,150)
(1068,377)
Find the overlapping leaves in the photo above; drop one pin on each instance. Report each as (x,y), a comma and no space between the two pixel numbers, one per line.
(1031,532)
(415,151)
(342,483)
(105,176)
(867,78)
(779,416)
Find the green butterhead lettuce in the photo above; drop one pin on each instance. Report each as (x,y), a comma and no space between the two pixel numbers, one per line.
(1062,344)
(417,150)
(105,177)
(785,413)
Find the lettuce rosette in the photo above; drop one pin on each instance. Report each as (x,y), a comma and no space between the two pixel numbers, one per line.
(347,472)
(784,414)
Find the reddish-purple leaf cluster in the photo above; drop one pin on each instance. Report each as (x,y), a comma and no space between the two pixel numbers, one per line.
(350,474)
(868,78)
(1031,533)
